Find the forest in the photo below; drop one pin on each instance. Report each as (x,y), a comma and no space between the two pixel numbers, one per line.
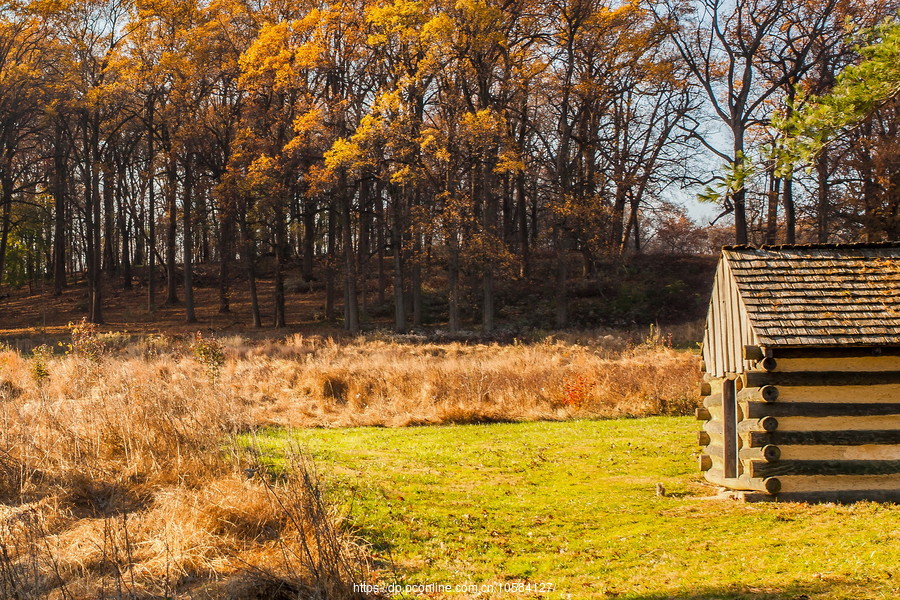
(378,147)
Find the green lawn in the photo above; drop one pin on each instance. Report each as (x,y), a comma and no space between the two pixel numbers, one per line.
(574,505)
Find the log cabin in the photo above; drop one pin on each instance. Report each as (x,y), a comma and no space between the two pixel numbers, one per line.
(801,361)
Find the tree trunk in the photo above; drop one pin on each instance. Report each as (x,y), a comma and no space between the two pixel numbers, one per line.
(172,231)
(822,216)
(124,234)
(871,225)
(453,284)
(381,242)
(617,236)
(151,215)
(330,259)
(772,209)
(507,211)
(6,191)
(739,196)
(109,246)
(397,249)
(249,253)
(522,226)
(280,260)
(96,310)
(363,251)
(489,220)
(309,238)
(351,301)
(225,234)
(416,269)
(790,211)
(188,236)
(59,213)
(561,303)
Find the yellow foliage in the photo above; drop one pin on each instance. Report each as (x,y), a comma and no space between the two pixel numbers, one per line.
(483,126)
(510,161)
(342,153)
(309,122)
(268,56)
(401,19)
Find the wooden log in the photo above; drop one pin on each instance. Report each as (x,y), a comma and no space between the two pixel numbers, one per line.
(815,363)
(861,452)
(803,378)
(770,485)
(757,410)
(759,468)
(828,483)
(713,427)
(837,497)
(860,394)
(702,414)
(769,363)
(839,423)
(705,388)
(851,437)
(768,423)
(705,462)
(764,424)
(753,353)
(768,393)
(716,477)
(703,438)
(768,453)
(714,401)
(840,353)
(730,439)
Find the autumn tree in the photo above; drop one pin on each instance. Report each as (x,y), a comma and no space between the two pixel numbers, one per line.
(24,82)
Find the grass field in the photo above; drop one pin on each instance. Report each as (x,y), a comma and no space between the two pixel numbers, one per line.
(114,484)
(574,505)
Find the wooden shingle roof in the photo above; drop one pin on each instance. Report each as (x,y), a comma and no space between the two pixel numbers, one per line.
(820,295)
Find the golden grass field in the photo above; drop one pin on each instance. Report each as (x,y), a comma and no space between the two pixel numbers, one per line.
(119,477)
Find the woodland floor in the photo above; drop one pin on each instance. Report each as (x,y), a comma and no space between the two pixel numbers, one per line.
(624,295)
(34,310)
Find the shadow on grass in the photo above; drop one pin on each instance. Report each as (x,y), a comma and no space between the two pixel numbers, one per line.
(795,591)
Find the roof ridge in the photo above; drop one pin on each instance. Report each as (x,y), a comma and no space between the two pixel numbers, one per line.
(851,245)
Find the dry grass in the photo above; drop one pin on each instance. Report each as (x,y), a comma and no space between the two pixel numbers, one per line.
(114,484)
(390,382)
(116,480)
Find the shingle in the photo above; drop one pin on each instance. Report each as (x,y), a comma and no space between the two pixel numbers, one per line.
(820,294)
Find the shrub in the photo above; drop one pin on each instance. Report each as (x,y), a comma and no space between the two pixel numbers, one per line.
(86,341)
(40,358)
(209,352)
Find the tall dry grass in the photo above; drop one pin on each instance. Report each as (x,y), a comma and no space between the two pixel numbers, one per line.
(117,481)
(321,382)
(118,478)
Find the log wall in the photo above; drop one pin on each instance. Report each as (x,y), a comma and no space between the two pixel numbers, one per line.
(812,426)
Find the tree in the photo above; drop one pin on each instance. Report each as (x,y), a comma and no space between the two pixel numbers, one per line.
(859,91)
(24,73)
(727,47)
(858,118)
